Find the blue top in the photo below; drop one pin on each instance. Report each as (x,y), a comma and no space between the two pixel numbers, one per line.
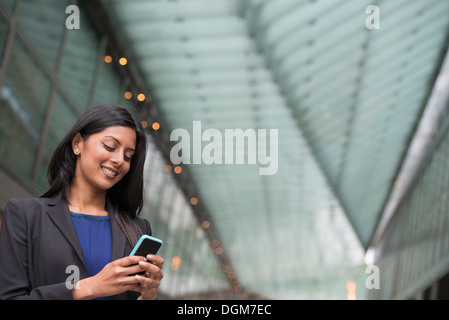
(94,234)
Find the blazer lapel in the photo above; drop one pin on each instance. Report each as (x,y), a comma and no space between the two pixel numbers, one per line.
(118,237)
(58,211)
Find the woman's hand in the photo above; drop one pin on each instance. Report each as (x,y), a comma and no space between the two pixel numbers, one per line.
(150,281)
(116,277)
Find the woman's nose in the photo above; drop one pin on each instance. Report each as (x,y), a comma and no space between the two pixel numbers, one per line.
(118,157)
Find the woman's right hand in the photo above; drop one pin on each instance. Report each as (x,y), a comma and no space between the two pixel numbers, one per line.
(116,277)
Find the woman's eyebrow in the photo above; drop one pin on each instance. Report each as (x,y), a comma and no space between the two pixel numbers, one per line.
(118,141)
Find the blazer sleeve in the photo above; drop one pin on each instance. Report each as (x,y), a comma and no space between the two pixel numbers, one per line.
(14,260)
(148,227)
(144,225)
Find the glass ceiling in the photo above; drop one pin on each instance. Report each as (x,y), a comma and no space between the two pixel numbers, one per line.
(344,99)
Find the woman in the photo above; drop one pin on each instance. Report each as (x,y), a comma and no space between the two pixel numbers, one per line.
(85,225)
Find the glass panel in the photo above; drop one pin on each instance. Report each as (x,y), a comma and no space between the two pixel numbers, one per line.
(9,3)
(62,119)
(78,63)
(107,90)
(44,27)
(131,107)
(22,107)
(3,35)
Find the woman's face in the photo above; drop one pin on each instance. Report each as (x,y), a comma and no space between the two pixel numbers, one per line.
(104,158)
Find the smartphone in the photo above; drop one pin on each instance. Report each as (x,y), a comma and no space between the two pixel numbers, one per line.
(146,245)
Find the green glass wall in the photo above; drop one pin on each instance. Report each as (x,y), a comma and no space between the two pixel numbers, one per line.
(51,74)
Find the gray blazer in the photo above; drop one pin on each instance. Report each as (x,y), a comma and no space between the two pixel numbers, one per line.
(38,242)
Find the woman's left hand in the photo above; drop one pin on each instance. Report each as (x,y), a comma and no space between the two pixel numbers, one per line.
(151,279)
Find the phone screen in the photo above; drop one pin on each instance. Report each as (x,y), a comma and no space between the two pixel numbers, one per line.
(147,245)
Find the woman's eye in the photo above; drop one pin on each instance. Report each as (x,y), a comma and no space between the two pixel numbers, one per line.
(108,147)
(111,149)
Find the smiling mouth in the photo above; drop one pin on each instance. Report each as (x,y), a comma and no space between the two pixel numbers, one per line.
(109,172)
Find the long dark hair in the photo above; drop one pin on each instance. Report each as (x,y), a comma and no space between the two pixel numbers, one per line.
(127,195)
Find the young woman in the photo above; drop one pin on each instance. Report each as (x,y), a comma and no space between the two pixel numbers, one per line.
(84,227)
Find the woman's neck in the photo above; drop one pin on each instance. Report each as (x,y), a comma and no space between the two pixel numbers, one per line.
(81,201)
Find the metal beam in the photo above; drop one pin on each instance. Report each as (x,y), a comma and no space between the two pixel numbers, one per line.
(48,110)
(436,111)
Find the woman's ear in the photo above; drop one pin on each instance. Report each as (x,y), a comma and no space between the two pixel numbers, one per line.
(77,143)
